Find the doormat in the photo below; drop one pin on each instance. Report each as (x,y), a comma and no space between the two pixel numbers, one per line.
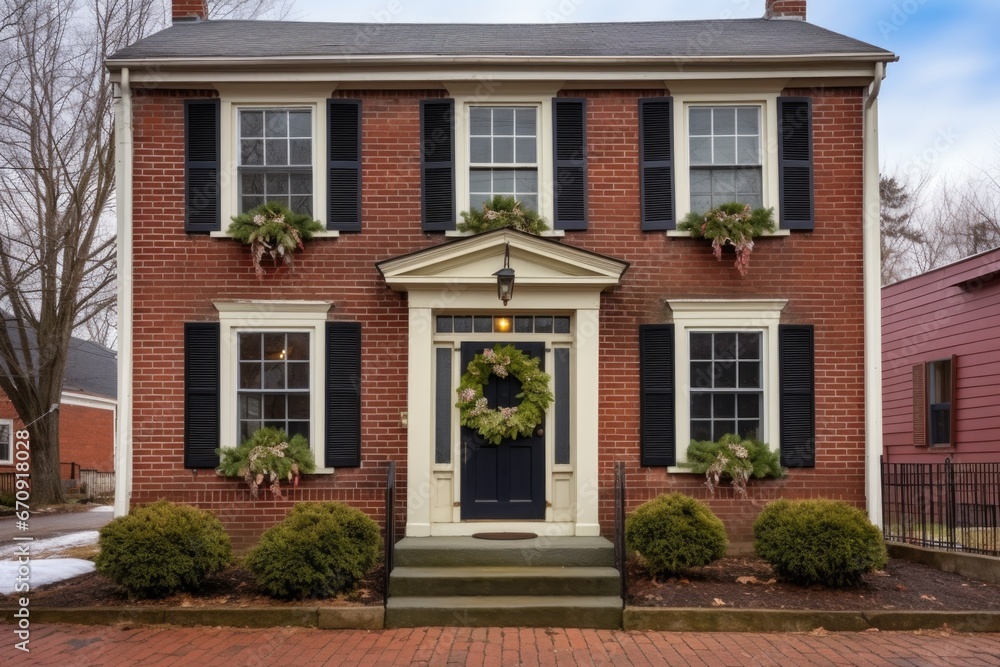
(504,536)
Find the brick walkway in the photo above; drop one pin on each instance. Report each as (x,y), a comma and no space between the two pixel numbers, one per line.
(67,645)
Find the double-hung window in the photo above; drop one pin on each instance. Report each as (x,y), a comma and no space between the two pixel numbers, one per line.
(727,390)
(276,158)
(725,156)
(503,154)
(939,388)
(273,384)
(6,441)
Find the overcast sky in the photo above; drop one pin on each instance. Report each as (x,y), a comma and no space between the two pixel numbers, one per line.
(939,106)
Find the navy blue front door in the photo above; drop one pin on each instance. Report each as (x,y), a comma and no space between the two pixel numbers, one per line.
(505,481)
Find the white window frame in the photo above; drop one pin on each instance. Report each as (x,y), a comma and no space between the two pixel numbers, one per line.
(504,94)
(236,97)
(237,317)
(767,101)
(754,315)
(9,423)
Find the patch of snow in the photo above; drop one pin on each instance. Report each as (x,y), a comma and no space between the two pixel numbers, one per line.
(43,572)
(51,543)
(103,508)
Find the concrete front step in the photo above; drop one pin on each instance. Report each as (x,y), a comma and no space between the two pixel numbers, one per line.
(502,580)
(535,552)
(526,611)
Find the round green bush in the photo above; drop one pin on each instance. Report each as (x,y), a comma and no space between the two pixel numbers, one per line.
(818,542)
(162,548)
(317,551)
(674,533)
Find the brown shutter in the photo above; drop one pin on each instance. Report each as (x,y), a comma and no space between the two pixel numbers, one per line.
(954,401)
(919,405)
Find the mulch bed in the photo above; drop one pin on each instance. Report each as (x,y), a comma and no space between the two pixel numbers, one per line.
(749,583)
(233,587)
(738,583)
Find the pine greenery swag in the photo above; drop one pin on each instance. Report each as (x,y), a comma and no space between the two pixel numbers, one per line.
(266,458)
(272,229)
(732,223)
(498,424)
(502,211)
(734,458)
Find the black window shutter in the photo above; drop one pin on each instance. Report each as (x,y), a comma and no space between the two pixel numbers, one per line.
(201,394)
(795,163)
(656,163)
(797,376)
(656,395)
(569,118)
(343,394)
(437,165)
(343,165)
(201,166)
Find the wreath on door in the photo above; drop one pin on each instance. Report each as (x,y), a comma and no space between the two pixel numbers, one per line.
(498,424)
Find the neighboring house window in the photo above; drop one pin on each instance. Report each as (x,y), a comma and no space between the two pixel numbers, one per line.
(725,156)
(933,403)
(503,154)
(6,441)
(726,383)
(273,384)
(276,158)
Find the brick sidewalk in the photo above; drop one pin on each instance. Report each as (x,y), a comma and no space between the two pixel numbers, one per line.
(161,646)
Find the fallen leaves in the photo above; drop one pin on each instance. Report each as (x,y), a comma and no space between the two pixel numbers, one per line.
(718,603)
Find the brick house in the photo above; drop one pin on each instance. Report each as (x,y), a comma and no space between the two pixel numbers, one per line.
(940,363)
(385,133)
(87,412)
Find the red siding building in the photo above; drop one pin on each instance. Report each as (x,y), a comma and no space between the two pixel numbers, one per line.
(613,132)
(941,364)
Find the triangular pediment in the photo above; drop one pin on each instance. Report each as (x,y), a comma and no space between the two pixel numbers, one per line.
(473,260)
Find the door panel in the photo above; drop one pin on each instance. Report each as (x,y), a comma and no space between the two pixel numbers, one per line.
(505,481)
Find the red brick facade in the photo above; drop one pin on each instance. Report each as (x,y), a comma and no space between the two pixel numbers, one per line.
(785,8)
(177,276)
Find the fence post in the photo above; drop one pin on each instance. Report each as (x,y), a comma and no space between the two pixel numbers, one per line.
(949,480)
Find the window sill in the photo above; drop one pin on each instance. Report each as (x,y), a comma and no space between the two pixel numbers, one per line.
(552,233)
(676,234)
(325,234)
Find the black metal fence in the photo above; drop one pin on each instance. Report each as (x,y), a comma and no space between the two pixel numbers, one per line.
(950,506)
(620,555)
(390,529)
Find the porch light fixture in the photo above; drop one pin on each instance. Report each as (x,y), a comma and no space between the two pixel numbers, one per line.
(502,324)
(505,278)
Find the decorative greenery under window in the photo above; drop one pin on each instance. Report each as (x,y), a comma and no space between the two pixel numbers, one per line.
(272,229)
(733,223)
(501,211)
(734,458)
(267,458)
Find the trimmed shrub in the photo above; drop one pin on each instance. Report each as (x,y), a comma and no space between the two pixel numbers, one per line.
(818,542)
(162,548)
(674,533)
(319,550)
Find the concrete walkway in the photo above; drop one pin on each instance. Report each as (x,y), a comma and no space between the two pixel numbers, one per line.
(489,647)
(43,526)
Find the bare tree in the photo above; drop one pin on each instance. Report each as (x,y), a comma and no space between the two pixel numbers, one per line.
(57,177)
(898,204)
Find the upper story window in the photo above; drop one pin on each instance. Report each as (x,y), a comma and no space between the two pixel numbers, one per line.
(725,156)
(503,154)
(276,158)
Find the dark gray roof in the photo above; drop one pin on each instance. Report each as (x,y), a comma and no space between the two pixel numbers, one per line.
(664,39)
(90,368)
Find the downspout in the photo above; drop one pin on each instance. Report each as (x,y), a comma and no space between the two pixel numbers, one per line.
(873,303)
(123,196)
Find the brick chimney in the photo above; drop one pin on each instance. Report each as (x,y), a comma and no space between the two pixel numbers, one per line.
(190,10)
(780,9)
